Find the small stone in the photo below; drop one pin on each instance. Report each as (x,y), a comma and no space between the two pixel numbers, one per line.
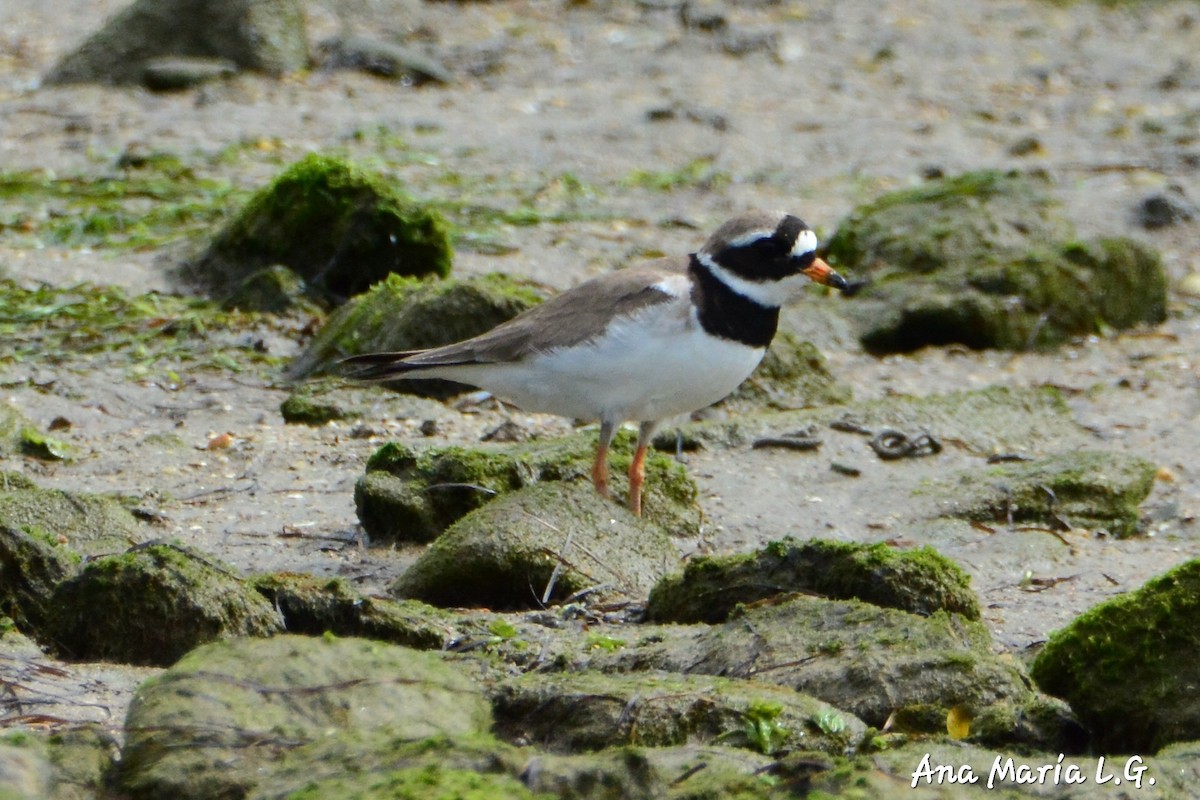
(1163,210)
(176,73)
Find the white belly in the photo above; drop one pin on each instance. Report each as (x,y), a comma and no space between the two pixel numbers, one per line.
(650,367)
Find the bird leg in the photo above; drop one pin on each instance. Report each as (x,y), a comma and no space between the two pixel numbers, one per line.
(637,469)
(600,465)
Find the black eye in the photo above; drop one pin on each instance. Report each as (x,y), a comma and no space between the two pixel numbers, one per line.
(769,247)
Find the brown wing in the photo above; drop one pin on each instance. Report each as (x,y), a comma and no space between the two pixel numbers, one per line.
(569,318)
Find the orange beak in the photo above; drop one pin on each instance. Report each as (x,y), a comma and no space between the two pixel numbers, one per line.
(823,274)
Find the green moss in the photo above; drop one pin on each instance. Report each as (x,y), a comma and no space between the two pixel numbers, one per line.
(1085,488)
(697,173)
(921,580)
(334,224)
(303,407)
(32,563)
(314,606)
(402,313)
(986,260)
(430,781)
(414,494)
(514,551)
(1128,666)
(152,604)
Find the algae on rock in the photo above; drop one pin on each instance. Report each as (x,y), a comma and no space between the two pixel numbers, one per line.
(335,225)
(1080,488)
(410,494)
(920,581)
(151,605)
(313,606)
(985,259)
(222,720)
(265,35)
(400,313)
(1128,666)
(575,712)
(556,535)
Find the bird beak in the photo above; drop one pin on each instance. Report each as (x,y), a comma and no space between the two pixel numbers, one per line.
(823,274)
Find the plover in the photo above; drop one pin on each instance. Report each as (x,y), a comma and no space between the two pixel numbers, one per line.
(640,344)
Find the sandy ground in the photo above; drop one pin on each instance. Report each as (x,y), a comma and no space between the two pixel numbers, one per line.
(855,99)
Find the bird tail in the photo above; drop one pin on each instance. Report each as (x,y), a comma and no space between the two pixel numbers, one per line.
(379,366)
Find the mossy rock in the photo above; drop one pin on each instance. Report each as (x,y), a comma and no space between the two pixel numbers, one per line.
(866,660)
(264,35)
(352,701)
(984,259)
(87,523)
(32,564)
(71,763)
(690,771)
(792,374)
(1085,488)
(25,774)
(381,763)
(272,290)
(1128,666)
(577,712)
(410,494)
(505,554)
(335,225)
(430,780)
(317,403)
(401,313)
(920,581)
(12,422)
(314,606)
(151,605)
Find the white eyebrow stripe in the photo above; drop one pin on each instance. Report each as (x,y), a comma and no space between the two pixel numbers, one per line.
(750,238)
(806,242)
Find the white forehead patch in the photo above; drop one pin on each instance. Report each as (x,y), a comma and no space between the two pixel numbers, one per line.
(806,242)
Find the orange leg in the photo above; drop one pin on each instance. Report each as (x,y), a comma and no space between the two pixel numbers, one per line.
(600,465)
(637,469)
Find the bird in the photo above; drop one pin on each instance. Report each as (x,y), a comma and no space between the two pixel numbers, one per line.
(640,344)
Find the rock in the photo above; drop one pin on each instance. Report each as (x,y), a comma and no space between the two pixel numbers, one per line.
(407,314)
(920,581)
(869,661)
(567,713)
(70,763)
(431,780)
(410,494)
(689,771)
(273,290)
(1079,489)
(152,604)
(985,259)
(792,374)
(314,606)
(1128,666)
(24,774)
(12,422)
(262,35)
(32,564)
(232,719)
(87,523)
(385,59)
(337,226)
(1163,210)
(174,73)
(316,404)
(505,554)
